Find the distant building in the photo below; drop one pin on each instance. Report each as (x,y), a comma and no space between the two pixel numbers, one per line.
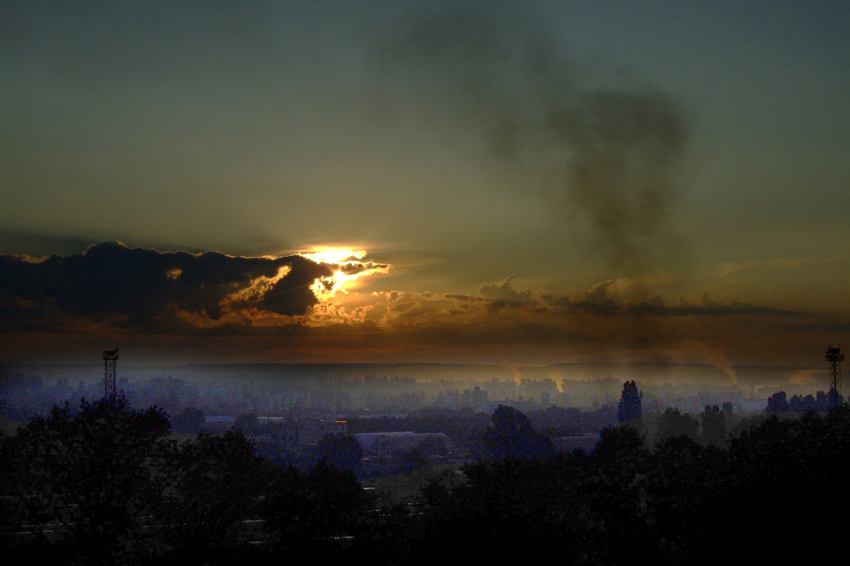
(478,398)
(376,443)
(219,420)
(291,433)
(218,424)
(308,432)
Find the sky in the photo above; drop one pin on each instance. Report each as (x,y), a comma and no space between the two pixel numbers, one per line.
(465,182)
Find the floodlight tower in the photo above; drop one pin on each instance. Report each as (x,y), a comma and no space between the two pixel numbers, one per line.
(834,357)
(110,361)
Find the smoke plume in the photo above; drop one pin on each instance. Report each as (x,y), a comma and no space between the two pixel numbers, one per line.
(608,153)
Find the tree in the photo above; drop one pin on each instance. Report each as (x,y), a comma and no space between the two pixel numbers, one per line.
(411,460)
(713,426)
(216,484)
(92,478)
(513,436)
(306,513)
(672,423)
(434,446)
(777,403)
(614,496)
(619,442)
(340,451)
(629,407)
(247,423)
(834,399)
(189,421)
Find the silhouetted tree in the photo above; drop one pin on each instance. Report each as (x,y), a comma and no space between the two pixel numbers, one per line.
(834,399)
(777,403)
(672,423)
(91,479)
(809,403)
(247,423)
(512,436)
(189,421)
(619,528)
(411,460)
(340,451)
(619,442)
(629,407)
(214,486)
(713,426)
(307,513)
(434,446)
(685,490)
(769,463)
(799,404)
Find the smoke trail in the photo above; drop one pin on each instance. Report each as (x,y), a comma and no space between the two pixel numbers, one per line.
(608,154)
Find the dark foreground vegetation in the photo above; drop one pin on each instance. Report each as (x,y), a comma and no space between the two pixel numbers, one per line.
(111,486)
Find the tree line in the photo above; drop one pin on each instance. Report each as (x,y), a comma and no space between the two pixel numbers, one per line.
(109,485)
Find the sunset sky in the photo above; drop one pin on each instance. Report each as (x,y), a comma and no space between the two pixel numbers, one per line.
(487,182)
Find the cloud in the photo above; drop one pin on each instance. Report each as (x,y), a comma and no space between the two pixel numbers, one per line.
(503,294)
(150,290)
(113,291)
(503,312)
(629,297)
(146,288)
(726,269)
(502,304)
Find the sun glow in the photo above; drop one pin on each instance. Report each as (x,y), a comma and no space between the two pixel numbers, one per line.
(334,255)
(347,266)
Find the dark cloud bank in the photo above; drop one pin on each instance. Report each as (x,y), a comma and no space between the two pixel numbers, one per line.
(138,287)
(148,290)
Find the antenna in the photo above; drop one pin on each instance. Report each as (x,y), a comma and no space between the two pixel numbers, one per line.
(110,362)
(834,357)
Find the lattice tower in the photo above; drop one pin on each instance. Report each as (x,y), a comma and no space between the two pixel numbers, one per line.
(110,362)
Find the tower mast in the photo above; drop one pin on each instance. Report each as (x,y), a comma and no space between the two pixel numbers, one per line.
(834,357)
(110,362)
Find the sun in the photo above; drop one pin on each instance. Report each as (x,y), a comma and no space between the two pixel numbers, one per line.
(347,266)
(334,255)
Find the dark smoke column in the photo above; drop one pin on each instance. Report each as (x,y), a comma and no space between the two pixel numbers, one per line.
(609,153)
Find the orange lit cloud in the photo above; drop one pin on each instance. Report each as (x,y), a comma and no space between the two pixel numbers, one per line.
(311,305)
(346,265)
